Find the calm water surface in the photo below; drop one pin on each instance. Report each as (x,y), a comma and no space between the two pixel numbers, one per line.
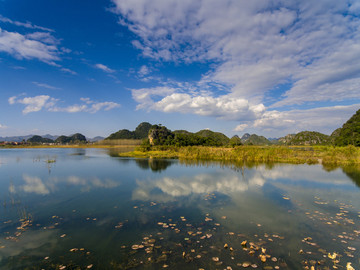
(83,209)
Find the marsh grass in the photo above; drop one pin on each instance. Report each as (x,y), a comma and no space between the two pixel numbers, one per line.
(125,142)
(268,154)
(326,155)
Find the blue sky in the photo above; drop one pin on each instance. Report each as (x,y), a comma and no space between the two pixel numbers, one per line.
(234,66)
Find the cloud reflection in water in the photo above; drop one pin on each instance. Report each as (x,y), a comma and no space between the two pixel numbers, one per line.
(171,187)
(36,185)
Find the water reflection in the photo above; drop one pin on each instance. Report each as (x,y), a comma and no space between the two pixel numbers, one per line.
(113,213)
(353,172)
(36,185)
(156,165)
(196,184)
(78,152)
(235,181)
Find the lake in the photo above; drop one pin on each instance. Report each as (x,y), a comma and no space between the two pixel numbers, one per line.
(86,209)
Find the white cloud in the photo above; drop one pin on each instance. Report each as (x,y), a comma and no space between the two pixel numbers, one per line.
(66,70)
(70,109)
(44,37)
(241,127)
(33,104)
(37,103)
(2,126)
(144,70)
(279,123)
(26,25)
(44,85)
(167,99)
(104,68)
(255,48)
(22,47)
(107,106)
(145,96)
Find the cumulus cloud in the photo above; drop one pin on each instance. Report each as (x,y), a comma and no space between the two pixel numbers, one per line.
(241,127)
(2,126)
(33,104)
(256,47)
(104,68)
(279,123)
(167,99)
(37,103)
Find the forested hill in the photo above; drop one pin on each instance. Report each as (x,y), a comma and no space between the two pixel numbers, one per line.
(349,133)
(307,138)
(141,132)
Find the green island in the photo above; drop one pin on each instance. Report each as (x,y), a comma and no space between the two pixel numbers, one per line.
(157,141)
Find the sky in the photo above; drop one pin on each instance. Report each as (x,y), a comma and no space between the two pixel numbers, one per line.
(270,67)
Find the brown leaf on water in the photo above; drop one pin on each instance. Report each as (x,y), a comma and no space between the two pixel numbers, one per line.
(262,258)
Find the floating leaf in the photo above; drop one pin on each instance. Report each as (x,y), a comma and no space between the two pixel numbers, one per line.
(349,267)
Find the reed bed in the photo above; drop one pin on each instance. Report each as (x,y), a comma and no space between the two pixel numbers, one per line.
(268,154)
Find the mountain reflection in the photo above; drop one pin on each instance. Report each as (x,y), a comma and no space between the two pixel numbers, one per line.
(232,182)
(156,165)
(353,172)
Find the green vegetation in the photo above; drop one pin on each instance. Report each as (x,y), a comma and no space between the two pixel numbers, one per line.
(309,138)
(39,140)
(270,154)
(218,137)
(349,134)
(160,135)
(74,139)
(141,132)
(235,141)
(254,139)
(116,143)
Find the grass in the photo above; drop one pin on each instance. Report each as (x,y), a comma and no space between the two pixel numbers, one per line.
(270,154)
(326,155)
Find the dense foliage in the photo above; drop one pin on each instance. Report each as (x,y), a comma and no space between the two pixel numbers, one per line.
(74,139)
(141,132)
(218,137)
(254,139)
(160,135)
(235,141)
(309,138)
(38,139)
(349,134)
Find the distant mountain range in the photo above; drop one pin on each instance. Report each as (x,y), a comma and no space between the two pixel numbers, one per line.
(47,136)
(254,139)
(349,133)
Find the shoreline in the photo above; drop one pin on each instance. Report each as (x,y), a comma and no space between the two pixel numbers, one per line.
(325,155)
